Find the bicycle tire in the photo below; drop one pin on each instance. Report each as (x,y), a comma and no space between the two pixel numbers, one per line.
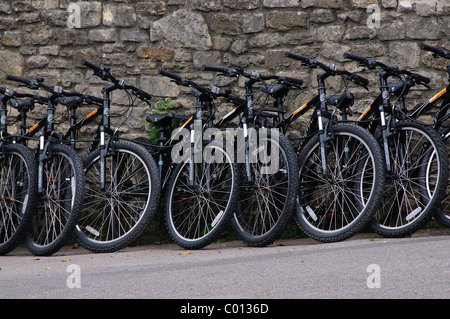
(133,186)
(443,212)
(406,207)
(59,207)
(336,207)
(18,185)
(266,205)
(197,217)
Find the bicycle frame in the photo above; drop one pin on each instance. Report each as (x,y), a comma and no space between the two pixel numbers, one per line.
(441,115)
(382,107)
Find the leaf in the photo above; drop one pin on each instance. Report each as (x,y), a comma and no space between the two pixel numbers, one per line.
(67,259)
(185,253)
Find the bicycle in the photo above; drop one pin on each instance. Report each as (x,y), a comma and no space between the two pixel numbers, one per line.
(60,183)
(443,97)
(313,228)
(410,151)
(18,183)
(266,198)
(201,191)
(122,182)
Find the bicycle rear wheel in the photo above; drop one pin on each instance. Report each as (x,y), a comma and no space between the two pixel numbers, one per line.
(266,204)
(18,185)
(197,215)
(418,179)
(59,206)
(335,206)
(115,218)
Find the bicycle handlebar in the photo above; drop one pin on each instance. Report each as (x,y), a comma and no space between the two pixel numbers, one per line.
(28,83)
(437,51)
(184,82)
(106,75)
(357,79)
(254,75)
(173,76)
(371,64)
(311,62)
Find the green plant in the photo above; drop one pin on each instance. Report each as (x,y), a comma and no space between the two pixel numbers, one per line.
(159,108)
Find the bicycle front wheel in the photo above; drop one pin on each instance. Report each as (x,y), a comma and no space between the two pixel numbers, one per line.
(18,185)
(196,215)
(418,179)
(266,203)
(60,204)
(336,203)
(115,217)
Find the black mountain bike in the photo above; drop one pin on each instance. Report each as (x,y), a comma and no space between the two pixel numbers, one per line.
(18,182)
(415,156)
(268,168)
(60,183)
(439,123)
(199,178)
(122,181)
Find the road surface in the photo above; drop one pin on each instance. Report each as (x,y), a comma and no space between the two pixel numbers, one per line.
(366,266)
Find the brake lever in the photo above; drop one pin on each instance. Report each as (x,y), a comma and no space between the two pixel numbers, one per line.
(426,85)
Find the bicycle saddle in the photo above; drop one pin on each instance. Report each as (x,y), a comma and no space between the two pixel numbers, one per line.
(21,104)
(275,90)
(160,120)
(341,101)
(396,87)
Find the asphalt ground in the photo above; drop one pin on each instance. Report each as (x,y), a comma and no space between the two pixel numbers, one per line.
(364,267)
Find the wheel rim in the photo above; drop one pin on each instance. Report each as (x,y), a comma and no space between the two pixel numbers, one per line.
(111,215)
(408,195)
(195,213)
(334,203)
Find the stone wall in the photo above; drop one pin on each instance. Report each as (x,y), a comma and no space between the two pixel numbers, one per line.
(135,38)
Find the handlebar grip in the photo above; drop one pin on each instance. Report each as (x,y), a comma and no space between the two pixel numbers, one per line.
(91,66)
(441,52)
(144,94)
(170,75)
(360,79)
(294,81)
(355,57)
(18,79)
(297,57)
(430,48)
(214,68)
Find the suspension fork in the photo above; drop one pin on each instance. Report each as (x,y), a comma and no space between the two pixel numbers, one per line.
(385,129)
(44,149)
(196,140)
(248,170)
(324,130)
(103,129)
(3,122)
